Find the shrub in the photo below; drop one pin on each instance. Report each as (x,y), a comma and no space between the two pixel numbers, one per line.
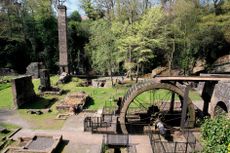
(216,134)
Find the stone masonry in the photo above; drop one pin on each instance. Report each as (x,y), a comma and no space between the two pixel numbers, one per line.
(45,79)
(23,90)
(34,69)
(62,36)
(221,94)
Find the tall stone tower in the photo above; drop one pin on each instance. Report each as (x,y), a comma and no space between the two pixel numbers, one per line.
(62,37)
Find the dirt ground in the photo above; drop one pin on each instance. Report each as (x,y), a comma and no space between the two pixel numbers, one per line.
(75,139)
(13,117)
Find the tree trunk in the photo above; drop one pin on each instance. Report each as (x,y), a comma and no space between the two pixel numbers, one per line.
(111,73)
(171,57)
(130,61)
(137,73)
(111,76)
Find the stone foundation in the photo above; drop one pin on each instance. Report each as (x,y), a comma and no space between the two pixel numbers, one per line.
(36,144)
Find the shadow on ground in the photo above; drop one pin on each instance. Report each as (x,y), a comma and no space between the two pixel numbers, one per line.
(89,102)
(39,103)
(61,146)
(64,92)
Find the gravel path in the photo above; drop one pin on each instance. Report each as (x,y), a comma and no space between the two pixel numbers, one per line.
(13,117)
(76,140)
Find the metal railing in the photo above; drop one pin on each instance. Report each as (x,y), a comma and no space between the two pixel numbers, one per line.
(161,146)
(96,124)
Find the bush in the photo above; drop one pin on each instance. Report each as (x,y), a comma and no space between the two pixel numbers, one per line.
(216,135)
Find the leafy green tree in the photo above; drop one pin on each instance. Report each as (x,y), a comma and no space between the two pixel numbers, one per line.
(91,11)
(214,35)
(14,48)
(41,31)
(14,54)
(75,16)
(138,46)
(101,47)
(184,28)
(78,37)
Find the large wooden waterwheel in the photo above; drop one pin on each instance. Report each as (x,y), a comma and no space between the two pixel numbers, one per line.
(148,101)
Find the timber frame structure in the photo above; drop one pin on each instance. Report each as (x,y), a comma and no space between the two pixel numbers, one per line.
(214,89)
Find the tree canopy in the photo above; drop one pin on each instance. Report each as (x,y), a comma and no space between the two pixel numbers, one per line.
(122,36)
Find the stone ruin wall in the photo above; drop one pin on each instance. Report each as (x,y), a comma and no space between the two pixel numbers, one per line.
(23,90)
(221,94)
(34,69)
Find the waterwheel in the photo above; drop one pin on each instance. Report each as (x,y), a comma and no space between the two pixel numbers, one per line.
(148,101)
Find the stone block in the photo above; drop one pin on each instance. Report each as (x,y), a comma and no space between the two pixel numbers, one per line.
(23,90)
(44,80)
(34,69)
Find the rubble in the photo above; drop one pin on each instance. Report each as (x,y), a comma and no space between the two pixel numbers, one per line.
(73,102)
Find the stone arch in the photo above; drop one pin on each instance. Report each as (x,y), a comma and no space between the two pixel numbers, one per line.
(220,108)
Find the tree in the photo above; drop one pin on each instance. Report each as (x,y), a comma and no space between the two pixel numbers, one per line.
(91,11)
(101,47)
(185,17)
(14,48)
(40,27)
(75,16)
(31,23)
(78,36)
(138,46)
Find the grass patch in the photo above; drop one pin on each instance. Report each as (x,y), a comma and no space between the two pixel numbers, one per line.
(6,98)
(47,121)
(101,95)
(4,86)
(9,126)
(43,121)
(36,82)
(10,129)
(98,95)
(155,97)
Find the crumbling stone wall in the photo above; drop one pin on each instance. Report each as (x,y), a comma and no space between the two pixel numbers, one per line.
(221,65)
(6,71)
(221,94)
(23,90)
(34,69)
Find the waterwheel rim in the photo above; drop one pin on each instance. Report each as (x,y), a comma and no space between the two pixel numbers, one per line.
(142,87)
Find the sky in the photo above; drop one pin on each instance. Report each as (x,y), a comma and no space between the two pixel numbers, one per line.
(73,5)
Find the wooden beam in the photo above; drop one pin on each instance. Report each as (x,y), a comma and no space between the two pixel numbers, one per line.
(197,78)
